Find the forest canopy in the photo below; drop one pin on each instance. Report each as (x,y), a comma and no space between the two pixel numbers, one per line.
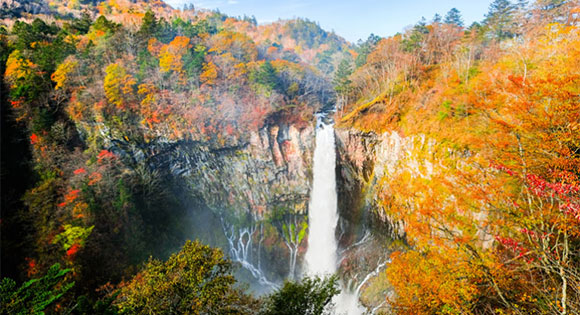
(98,94)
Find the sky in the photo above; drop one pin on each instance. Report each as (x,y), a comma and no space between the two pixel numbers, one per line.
(352,19)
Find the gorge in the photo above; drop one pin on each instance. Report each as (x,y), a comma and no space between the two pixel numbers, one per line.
(161,160)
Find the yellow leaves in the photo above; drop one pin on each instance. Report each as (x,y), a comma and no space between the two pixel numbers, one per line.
(170,55)
(117,84)
(61,73)
(239,45)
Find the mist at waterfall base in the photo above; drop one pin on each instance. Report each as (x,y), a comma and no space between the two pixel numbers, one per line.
(241,242)
(321,255)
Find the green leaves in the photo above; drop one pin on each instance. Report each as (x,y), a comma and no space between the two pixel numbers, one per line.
(36,295)
(195,280)
(72,235)
(311,296)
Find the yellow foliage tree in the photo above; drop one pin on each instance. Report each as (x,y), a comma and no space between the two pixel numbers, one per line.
(118,84)
(61,73)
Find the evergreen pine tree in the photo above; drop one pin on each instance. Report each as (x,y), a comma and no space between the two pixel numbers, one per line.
(437,18)
(341,79)
(500,19)
(453,17)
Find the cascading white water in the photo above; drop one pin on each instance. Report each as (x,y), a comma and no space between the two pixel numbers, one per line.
(322,215)
(240,243)
(321,255)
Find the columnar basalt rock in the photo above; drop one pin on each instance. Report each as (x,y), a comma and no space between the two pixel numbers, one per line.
(272,169)
(363,160)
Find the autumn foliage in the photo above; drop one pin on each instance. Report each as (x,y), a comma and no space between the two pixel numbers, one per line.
(488,189)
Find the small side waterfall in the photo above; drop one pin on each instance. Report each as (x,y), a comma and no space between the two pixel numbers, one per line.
(240,243)
(321,255)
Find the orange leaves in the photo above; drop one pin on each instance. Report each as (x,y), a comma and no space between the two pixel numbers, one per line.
(95,178)
(519,111)
(239,45)
(17,67)
(170,55)
(209,74)
(149,104)
(154,46)
(432,282)
(272,50)
(72,195)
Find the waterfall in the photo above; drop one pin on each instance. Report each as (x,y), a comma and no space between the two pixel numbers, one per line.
(322,214)
(321,255)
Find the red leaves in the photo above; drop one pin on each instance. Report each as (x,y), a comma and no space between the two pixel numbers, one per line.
(512,245)
(70,197)
(540,186)
(572,209)
(16,104)
(34,139)
(72,251)
(31,266)
(80,171)
(105,155)
(501,167)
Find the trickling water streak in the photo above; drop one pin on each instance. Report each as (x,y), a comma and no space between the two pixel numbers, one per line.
(241,250)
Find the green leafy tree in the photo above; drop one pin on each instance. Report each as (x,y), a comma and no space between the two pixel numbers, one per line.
(196,280)
(341,81)
(36,295)
(102,24)
(365,48)
(149,25)
(416,38)
(437,18)
(81,25)
(311,296)
(453,17)
(267,76)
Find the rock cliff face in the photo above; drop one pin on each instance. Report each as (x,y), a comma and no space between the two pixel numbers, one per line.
(272,169)
(256,188)
(367,235)
(364,160)
(260,191)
